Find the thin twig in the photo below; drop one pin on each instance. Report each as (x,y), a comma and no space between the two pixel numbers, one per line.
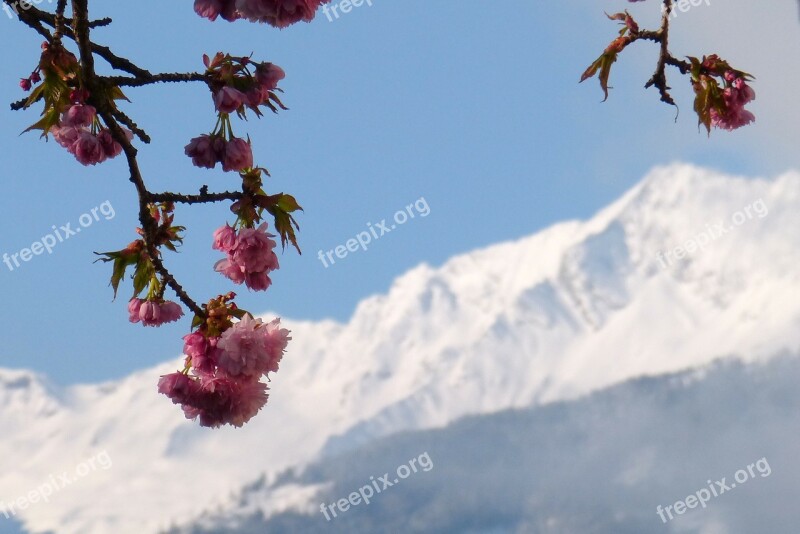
(659,78)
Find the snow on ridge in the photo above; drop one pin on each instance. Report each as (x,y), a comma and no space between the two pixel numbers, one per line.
(576,307)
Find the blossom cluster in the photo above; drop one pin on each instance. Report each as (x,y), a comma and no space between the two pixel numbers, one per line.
(237,84)
(278,13)
(250,255)
(27,83)
(79,132)
(67,115)
(228,351)
(225,361)
(206,151)
(736,95)
(222,380)
(721,93)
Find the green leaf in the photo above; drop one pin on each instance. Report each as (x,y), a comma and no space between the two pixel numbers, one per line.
(115,93)
(36,95)
(121,263)
(285,225)
(142,276)
(603,65)
(281,207)
(48,120)
(197,322)
(288,203)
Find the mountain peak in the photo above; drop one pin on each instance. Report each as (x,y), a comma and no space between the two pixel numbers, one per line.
(572,309)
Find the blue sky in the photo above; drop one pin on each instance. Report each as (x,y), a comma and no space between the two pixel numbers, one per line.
(474,108)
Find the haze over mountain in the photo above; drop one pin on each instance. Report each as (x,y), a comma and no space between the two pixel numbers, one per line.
(601,464)
(578,307)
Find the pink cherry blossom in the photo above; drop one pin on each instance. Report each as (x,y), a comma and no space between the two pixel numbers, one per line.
(250,257)
(79,115)
(228,99)
(735,96)
(179,387)
(220,400)
(242,349)
(230,270)
(276,341)
(248,400)
(170,312)
(731,119)
(278,13)
(257,281)
(211,9)
(257,96)
(195,345)
(254,250)
(66,136)
(88,150)
(268,75)
(203,151)
(238,155)
(202,351)
(252,348)
(224,239)
(111,148)
(152,313)
(133,310)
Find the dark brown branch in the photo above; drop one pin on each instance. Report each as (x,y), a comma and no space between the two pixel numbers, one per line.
(149,225)
(78,29)
(117,62)
(661,37)
(132,126)
(19,104)
(29,17)
(89,79)
(60,23)
(173,284)
(50,19)
(659,78)
(139,81)
(683,66)
(203,198)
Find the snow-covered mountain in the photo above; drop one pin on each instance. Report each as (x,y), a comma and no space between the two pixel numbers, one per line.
(601,464)
(575,308)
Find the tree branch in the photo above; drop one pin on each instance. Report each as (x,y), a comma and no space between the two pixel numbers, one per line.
(80,28)
(203,198)
(659,78)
